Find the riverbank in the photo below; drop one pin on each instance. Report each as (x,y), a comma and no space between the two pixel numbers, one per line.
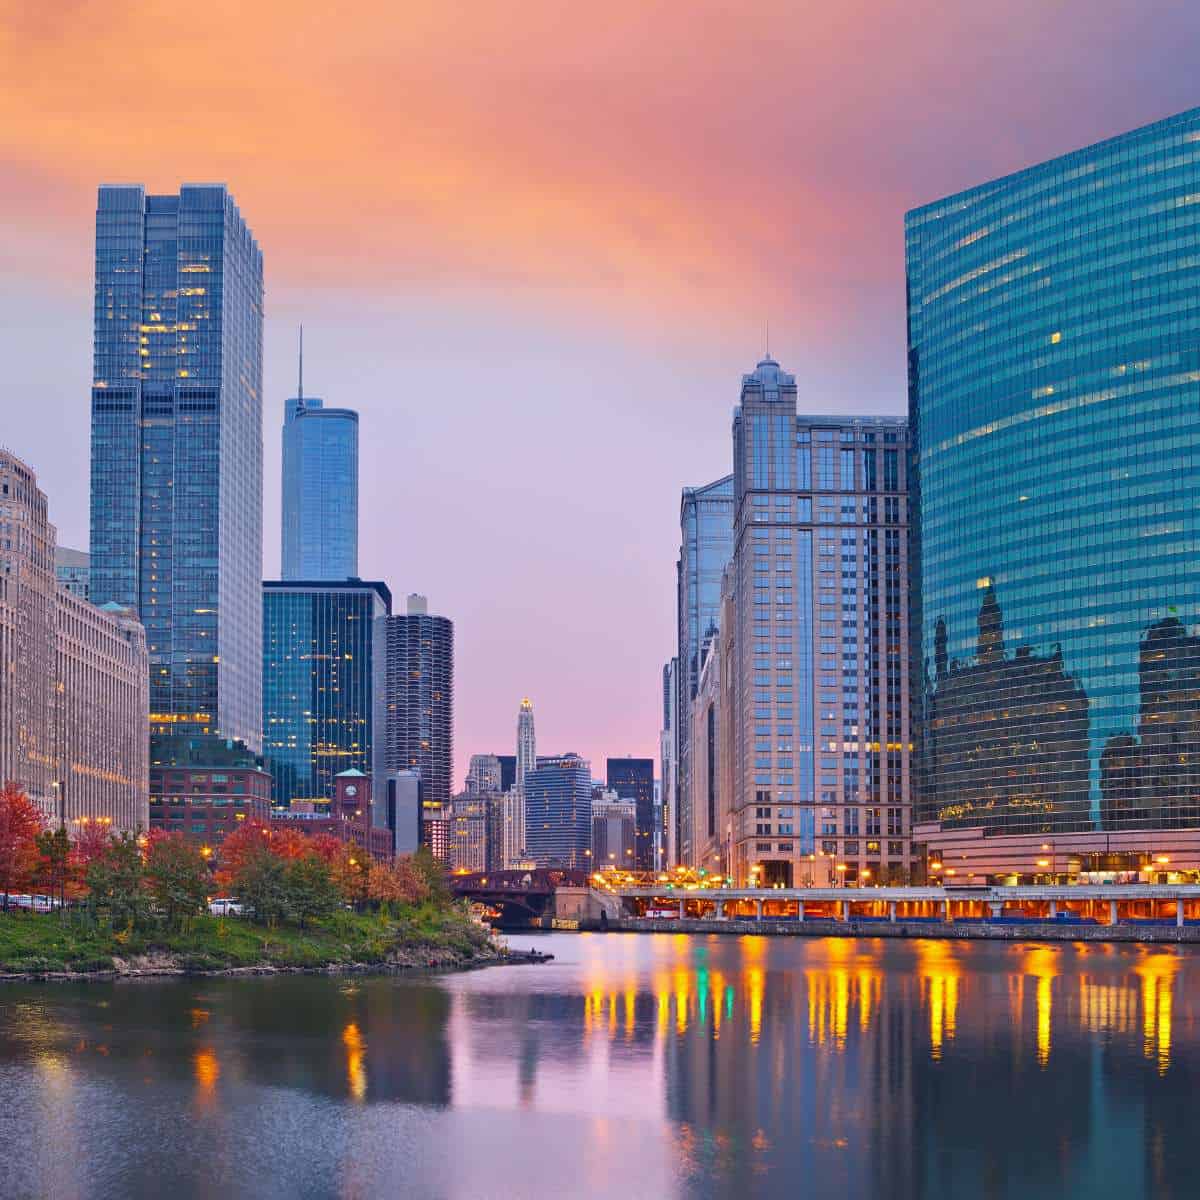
(1044,931)
(424,937)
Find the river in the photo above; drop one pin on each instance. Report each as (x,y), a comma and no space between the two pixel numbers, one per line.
(652,1066)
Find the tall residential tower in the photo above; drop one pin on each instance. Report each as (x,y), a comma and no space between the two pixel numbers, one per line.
(176,489)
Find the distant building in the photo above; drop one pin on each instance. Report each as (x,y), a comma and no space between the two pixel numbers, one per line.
(524,761)
(74,679)
(614,831)
(320,489)
(176,483)
(324,683)
(633,779)
(558,812)
(667,764)
(204,787)
(711,739)
(475,833)
(73,571)
(419,694)
(484,775)
(508,770)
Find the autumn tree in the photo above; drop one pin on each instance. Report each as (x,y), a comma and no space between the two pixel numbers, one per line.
(116,883)
(432,873)
(260,882)
(177,876)
(396,882)
(351,871)
(20,823)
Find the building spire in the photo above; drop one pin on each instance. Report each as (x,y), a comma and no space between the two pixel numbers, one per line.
(300,385)
(767,338)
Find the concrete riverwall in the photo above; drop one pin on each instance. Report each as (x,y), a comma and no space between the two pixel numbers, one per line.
(819,927)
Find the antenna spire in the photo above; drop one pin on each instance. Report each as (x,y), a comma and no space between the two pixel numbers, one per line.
(300,387)
(767,346)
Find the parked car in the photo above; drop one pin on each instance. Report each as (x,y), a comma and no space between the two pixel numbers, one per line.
(223,906)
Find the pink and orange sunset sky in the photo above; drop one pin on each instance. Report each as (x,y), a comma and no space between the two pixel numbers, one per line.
(535,246)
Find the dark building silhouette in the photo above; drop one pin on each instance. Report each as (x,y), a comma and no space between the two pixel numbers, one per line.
(1153,780)
(1006,738)
(633,779)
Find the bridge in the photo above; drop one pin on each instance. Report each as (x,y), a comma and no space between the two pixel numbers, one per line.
(517,895)
(1101,904)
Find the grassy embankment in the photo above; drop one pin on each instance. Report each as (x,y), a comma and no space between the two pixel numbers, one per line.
(421,935)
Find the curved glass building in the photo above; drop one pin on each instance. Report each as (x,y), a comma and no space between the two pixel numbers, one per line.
(1054,400)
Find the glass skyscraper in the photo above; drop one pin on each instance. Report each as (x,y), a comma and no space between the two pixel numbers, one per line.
(558,812)
(320,491)
(633,779)
(324,681)
(706,544)
(176,487)
(1054,386)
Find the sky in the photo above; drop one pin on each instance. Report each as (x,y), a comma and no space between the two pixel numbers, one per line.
(536,245)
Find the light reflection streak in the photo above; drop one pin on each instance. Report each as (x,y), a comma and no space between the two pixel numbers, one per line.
(356,1071)
(1157,973)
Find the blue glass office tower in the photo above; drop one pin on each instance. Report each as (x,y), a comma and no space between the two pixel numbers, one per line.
(320,491)
(324,681)
(1054,387)
(558,812)
(706,544)
(176,487)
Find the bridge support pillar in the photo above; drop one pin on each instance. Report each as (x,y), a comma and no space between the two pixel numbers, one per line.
(719,909)
(945,910)
(997,907)
(892,912)
(681,912)
(845,910)
(799,910)
(1179,913)
(1053,909)
(758,911)
(1112,912)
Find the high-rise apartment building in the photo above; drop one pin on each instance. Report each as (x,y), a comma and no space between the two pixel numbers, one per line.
(633,779)
(320,489)
(706,544)
(1053,359)
(176,489)
(74,679)
(73,570)
(524,761)
(558,812)
(820,739)
(324,685)
(419,697)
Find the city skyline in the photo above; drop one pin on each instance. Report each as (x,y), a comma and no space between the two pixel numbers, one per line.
(893,145)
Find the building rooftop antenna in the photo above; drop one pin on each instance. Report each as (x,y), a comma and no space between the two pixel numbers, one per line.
(300,385)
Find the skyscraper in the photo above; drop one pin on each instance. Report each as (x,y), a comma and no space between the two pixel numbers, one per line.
(74,679)
(484,775)
(706,544)
(420,700)
(176,495)
(666,761)
(324,685)
(320,488)
(1053,360)
(526,741)
(633,779)
(558,812)
(820,738)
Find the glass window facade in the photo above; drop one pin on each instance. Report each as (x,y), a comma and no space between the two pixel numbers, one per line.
(558,812)
(176,485)
(1054,378)
(706,528)
(320,491)
(324,680)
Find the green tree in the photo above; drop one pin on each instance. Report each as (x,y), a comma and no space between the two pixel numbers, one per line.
(433,874)
(54,862)
(178,877)
(116,882)
(310,890)
(260,883)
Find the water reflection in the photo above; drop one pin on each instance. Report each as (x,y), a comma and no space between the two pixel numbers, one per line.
(653,1066)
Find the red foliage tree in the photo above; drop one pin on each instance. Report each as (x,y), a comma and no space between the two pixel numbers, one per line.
(247,840)
(20,823)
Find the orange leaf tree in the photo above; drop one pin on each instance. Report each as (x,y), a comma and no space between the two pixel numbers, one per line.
(20,823)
